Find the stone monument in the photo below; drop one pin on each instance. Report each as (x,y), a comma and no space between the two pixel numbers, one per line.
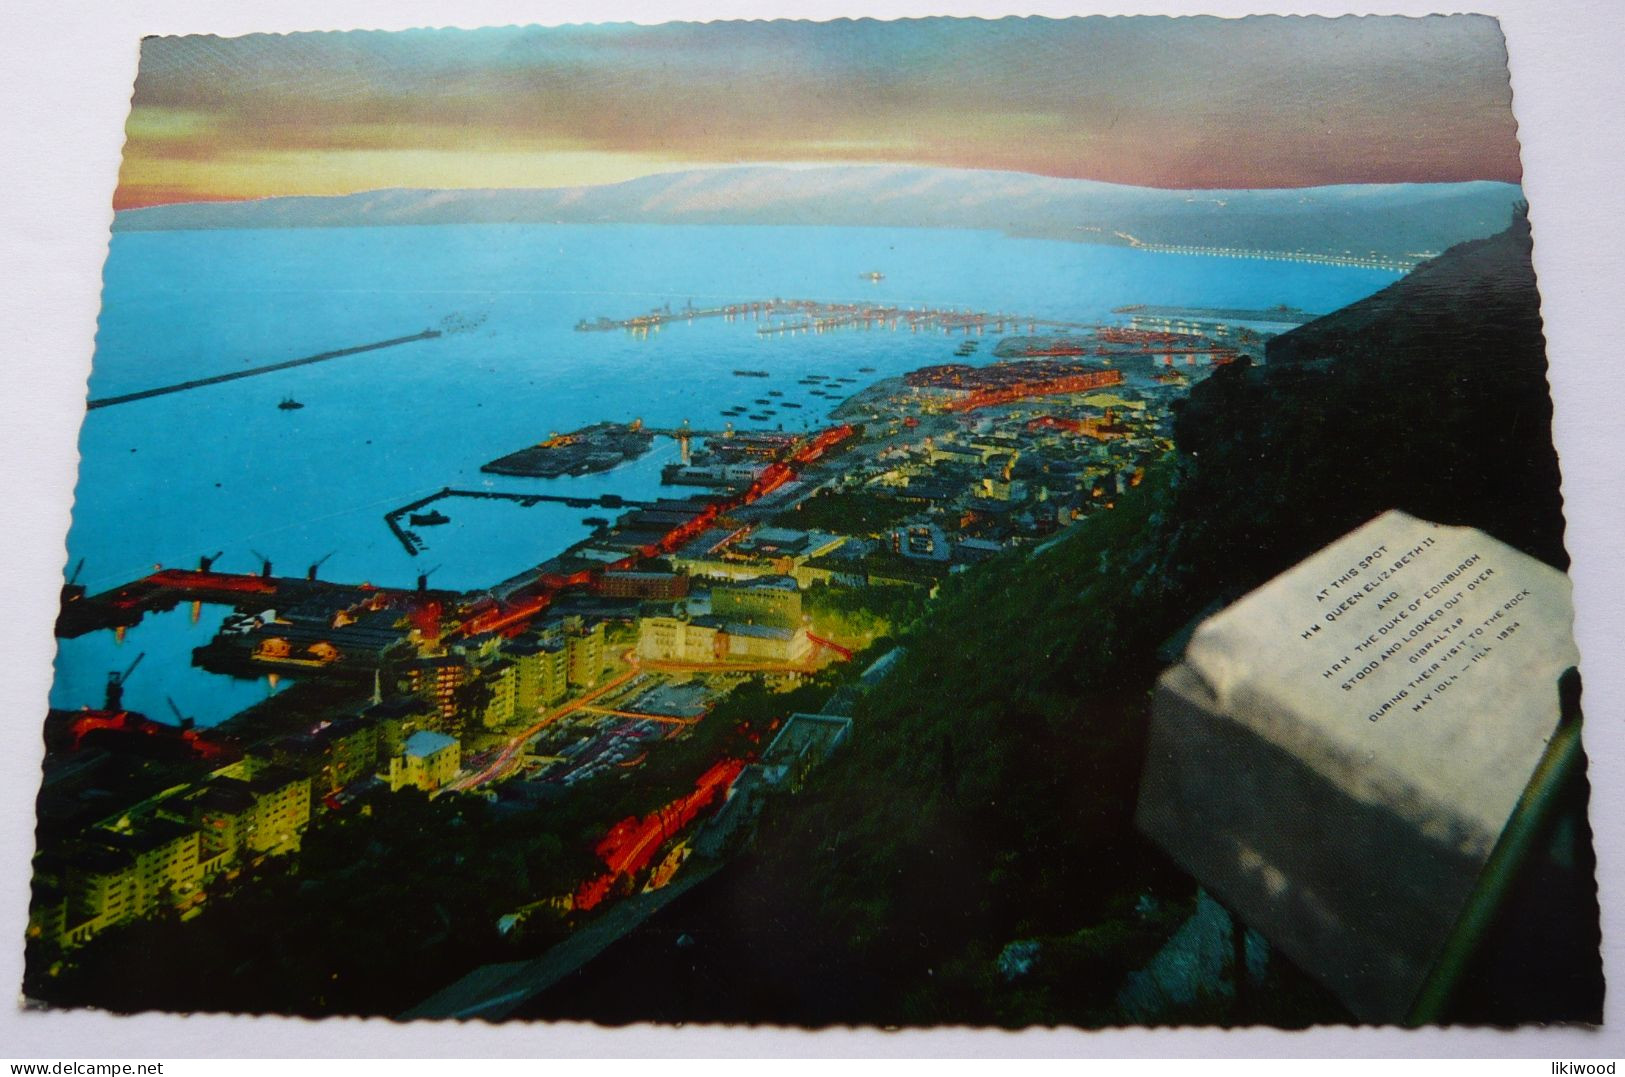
(1339,752)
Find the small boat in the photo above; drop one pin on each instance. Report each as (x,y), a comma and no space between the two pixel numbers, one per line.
(866,370)
(595,521)
(874,276)
(432,518)
(290,404)
(751,374)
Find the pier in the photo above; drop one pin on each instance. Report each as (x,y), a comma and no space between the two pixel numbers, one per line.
(414,544)
(660,316)
(254,372)
(815,316)
(811,315)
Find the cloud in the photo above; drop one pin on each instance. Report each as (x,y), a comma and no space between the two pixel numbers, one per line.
(1168,102)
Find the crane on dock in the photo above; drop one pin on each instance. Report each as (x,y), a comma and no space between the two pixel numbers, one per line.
(205,563)
(310,573)
(265,564)
(73,590)
(116,682)
(185,721)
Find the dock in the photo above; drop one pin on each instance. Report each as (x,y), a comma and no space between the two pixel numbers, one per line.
(164,589)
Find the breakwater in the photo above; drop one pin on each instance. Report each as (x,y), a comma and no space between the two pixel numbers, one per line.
(252,372)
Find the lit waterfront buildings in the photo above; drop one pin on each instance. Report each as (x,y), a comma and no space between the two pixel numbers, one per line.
(744,553)
(750,621)
(707,640)
(334,754)
(250,815)
(428,761)
(161,853)
(110,877)
(542,669)
(764,600)
(584,650)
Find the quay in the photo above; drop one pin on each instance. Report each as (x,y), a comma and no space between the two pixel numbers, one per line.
(124,606)
(268,368)
(591,449)
(815,316)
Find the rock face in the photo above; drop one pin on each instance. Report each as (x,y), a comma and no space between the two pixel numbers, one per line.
(1196,965)
(1429,396)
(1340,750)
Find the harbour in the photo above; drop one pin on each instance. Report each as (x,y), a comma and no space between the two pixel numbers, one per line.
(299,484)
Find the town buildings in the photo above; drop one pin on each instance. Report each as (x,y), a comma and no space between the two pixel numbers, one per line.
(160,854)
(757,620)
(427,761)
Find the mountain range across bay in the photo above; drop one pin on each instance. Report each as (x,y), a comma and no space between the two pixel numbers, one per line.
(1404,221)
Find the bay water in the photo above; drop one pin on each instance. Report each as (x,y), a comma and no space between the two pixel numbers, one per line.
(223,469)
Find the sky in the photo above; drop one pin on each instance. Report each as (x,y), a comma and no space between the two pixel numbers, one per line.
(1177,103)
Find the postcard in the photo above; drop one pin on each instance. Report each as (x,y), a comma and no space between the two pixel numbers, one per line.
(916,523)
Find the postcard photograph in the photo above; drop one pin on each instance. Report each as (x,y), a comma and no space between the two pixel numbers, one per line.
(933,522)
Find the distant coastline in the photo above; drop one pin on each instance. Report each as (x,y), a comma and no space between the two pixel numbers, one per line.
(1379,221)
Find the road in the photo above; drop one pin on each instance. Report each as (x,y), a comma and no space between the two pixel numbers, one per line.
(667,719)
(514,749)
(663,666)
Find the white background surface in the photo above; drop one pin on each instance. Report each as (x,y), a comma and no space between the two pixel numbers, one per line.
(66,70)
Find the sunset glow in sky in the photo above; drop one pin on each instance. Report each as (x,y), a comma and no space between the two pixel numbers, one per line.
(1262,102)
